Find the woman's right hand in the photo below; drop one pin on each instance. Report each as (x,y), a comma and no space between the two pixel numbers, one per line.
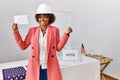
(15,27)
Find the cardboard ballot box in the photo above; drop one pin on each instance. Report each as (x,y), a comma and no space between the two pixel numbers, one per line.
(16,73)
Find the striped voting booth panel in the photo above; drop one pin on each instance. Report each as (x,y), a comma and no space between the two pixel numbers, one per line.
(16,73)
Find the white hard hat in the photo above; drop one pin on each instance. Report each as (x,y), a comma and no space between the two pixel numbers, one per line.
(44,9)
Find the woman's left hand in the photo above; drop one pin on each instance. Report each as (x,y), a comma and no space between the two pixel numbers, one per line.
(69,30)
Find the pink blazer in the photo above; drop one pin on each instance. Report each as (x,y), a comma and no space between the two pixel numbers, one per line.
(54,43)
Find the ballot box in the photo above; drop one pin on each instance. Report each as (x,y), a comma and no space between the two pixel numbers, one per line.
(16,73)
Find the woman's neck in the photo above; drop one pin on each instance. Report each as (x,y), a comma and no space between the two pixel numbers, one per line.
(43,29)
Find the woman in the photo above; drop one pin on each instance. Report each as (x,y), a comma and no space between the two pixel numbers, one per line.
(45,41)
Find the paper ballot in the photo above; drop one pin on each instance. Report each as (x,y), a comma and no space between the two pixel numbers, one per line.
(21,19)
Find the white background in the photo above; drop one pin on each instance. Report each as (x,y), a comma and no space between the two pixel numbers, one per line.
(96,24)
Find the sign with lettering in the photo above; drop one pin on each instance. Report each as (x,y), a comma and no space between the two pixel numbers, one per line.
(70,55)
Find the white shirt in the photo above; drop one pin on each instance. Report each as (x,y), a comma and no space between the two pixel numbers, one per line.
(43,49)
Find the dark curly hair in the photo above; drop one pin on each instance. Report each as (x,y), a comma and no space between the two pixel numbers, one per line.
(50,16)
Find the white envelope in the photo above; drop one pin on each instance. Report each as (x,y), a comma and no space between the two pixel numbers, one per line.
(21,19)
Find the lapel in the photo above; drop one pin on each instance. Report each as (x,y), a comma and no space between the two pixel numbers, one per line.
(49,37)
(36,39)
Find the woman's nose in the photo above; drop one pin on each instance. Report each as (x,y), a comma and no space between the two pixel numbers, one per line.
(42,19)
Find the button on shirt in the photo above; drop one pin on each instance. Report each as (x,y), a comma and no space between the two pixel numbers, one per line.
(43,49)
